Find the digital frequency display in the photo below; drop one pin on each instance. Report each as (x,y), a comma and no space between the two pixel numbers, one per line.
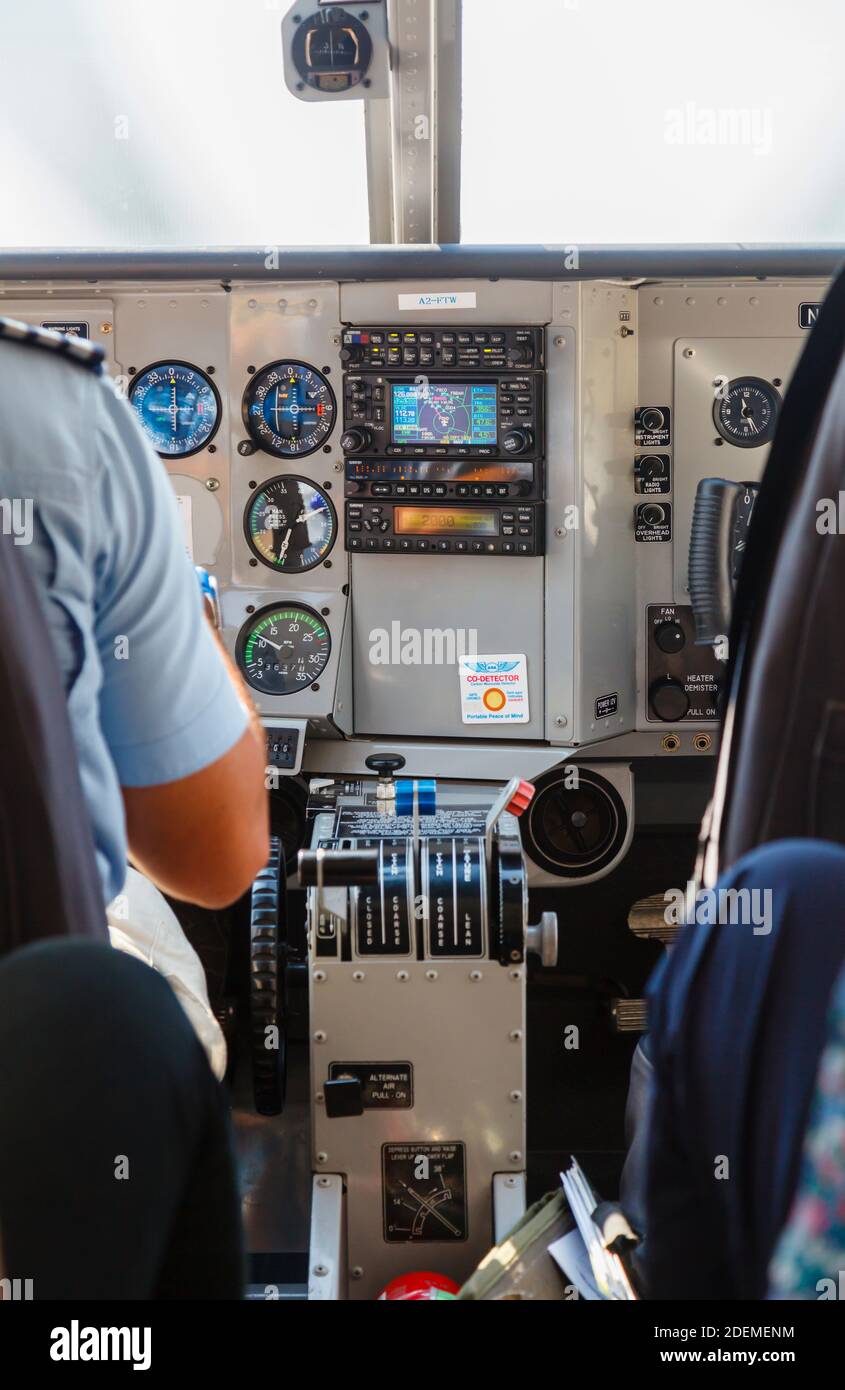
(430,521)
(444,413)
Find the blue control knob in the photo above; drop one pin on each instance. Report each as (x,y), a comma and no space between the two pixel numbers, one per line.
(426,796)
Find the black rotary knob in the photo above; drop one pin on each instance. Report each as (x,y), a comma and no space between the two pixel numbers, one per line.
(670,637)
(516,441)
(668,699)
(652,515)
(652,466)
(355,441)
(652,420)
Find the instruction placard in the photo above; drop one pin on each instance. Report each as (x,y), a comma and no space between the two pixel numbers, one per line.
(494,689)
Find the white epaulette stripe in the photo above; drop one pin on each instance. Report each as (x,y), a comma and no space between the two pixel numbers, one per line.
(80,350)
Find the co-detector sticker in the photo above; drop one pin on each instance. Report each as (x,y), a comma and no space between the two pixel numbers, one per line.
(494,689)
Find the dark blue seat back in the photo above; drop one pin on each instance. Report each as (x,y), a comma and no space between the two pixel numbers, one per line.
(49,884)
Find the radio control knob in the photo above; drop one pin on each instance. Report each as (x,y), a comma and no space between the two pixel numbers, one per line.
(517,441)
(668,699)
(355,441)
(651,467)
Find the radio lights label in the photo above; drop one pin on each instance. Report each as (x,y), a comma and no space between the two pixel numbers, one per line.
(494,689)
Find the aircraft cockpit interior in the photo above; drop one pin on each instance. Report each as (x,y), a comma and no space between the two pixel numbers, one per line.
(422,441)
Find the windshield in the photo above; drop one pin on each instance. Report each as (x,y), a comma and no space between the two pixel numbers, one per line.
(653,121)
(131,123)
(128,123)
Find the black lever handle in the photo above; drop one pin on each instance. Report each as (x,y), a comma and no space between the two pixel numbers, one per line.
(340,867)
(385,764)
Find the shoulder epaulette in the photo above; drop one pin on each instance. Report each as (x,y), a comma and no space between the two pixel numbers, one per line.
(79,350)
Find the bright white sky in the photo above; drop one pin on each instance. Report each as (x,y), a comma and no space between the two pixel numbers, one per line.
(584,120)
(568,142)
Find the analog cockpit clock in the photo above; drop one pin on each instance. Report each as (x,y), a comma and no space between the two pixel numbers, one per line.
(746,412)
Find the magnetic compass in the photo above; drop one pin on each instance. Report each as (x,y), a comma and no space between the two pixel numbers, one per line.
(332,50)
(747,412)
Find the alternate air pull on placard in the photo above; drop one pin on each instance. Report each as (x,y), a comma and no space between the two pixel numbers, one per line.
(384,1085)
(494,689)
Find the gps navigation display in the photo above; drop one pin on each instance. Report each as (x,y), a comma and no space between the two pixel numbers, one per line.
(440,413)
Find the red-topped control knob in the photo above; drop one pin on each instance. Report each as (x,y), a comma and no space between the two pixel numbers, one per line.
(521,799)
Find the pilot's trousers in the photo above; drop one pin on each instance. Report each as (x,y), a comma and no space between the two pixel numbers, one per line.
(117,1177)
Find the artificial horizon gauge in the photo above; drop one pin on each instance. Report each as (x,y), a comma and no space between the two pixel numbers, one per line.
(290,524)
(178,407)
(283,648)
(289,409)
(746,413)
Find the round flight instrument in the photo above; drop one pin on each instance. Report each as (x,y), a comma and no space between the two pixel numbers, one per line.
(283,648)
(178,407)
(747,413)
(290,524)
(289,409)
(332,50)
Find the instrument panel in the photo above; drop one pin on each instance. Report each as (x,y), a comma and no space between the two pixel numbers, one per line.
(553,433)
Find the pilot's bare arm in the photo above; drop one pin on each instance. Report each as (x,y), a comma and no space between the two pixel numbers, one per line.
(205,837)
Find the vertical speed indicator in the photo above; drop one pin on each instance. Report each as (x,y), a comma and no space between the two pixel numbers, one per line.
(283,649)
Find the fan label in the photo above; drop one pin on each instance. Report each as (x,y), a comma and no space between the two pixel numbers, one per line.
(494,689)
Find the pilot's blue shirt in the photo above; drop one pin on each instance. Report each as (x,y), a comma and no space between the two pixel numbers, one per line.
(149,698)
